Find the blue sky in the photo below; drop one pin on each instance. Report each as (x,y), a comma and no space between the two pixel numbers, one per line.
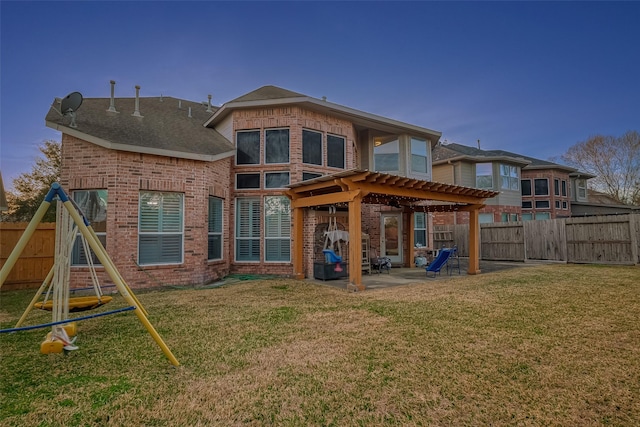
(533,78)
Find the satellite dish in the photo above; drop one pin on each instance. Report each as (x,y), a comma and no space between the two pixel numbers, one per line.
(71,102)
(69,105)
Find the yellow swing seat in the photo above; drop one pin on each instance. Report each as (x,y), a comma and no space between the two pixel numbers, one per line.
(77,304)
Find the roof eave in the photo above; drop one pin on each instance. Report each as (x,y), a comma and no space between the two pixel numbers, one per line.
(136,149)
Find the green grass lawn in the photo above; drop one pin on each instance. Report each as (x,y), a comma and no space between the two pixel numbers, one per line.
(547,345)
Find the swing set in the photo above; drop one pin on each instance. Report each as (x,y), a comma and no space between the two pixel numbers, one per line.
(57,299)
(332,239)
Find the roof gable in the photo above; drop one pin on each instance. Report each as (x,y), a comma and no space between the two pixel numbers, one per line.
(267,93)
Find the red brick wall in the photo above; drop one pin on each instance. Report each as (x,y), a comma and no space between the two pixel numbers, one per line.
(125,175)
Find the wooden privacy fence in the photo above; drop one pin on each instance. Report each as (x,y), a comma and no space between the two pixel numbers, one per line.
(610,239)
(37,258)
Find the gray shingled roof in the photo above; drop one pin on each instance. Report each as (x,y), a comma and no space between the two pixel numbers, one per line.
(268,92)
(164,128)
(453,150)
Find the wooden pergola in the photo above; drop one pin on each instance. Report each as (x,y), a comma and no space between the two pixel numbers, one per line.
(355,187)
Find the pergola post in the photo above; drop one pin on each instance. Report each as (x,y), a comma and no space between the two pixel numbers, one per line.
(474,241)
(410,239)
(298,243)
(355,243)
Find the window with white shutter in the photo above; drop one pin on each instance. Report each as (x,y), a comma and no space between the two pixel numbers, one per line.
(248,229)
(160,228)
(215,229)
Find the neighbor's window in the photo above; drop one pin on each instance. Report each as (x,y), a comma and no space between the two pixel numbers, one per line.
(160,228)
(276,179)
(541,186)
(556,187)
(248,147)
(509,177)
(527,217)
(557,204)
(215,228)
(582,188)
(527,204)
(564,188)
(247,181)
(543,215)
(484,175)
(277,229)
(419,156)
(276,146)
(525,186)
(485,218)
(420,229)
(311,147)
(385,155)
(542,204)
(248,229)
(93,204)
(564,205)
(335,151)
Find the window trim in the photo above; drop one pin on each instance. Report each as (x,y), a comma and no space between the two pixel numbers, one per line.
(424,229)
(427,144)
(510,179)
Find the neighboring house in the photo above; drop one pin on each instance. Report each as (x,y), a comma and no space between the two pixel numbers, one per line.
(529,188)
(600,204)
(183,192)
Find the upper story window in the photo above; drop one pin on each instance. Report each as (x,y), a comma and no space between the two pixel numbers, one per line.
(276,179)
(556,187)
(311,147)
(276,146)
(248,147)
(386,156)
(564,188)
(484,175)
(541,186)
(335,151)
(509,177)
(525,186)
(310,175)
(247,181)
(582,188)
(419,156)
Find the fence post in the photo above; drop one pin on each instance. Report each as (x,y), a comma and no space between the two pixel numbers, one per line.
(634,230)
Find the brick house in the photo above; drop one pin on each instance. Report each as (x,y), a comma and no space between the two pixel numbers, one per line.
(182,192)
(529,188)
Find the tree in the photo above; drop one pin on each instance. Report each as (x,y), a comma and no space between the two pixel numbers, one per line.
(31,188)
(615,161)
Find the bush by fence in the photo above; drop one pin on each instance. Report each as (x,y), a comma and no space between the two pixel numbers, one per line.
(610,239)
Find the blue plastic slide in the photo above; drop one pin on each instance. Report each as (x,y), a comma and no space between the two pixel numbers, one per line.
(440,261)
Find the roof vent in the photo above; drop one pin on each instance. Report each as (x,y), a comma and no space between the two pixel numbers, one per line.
(179,104)
(136,113)
(190,112)
(112,103)
(324,98)
(209,110)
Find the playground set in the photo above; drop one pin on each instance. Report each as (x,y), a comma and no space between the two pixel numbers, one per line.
(56,287)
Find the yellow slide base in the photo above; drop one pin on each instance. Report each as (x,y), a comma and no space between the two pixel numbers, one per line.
(49,346)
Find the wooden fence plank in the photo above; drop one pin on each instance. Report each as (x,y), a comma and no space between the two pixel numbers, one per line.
(37,258)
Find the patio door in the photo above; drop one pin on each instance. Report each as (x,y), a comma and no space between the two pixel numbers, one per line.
(391,236)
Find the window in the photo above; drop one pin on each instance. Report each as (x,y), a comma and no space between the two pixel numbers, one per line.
(556,187)
(277,229)
(564,205)
(564,188)
(248,147)
(420,229)
(247,181)
(93,204)
(527,217)
(335,151)
(527,204)
(248,229)
(485,218)
(543,215)
(557,204)
(542,204)
(385,156)
(484,175)
(541,186)
(525,186)
(509,177)
(504,217)
(310,175)
(582,188)
(160,228)
(311,147)
(276,179)
(215,228)
(276,146)
(514,217)
(419,156)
